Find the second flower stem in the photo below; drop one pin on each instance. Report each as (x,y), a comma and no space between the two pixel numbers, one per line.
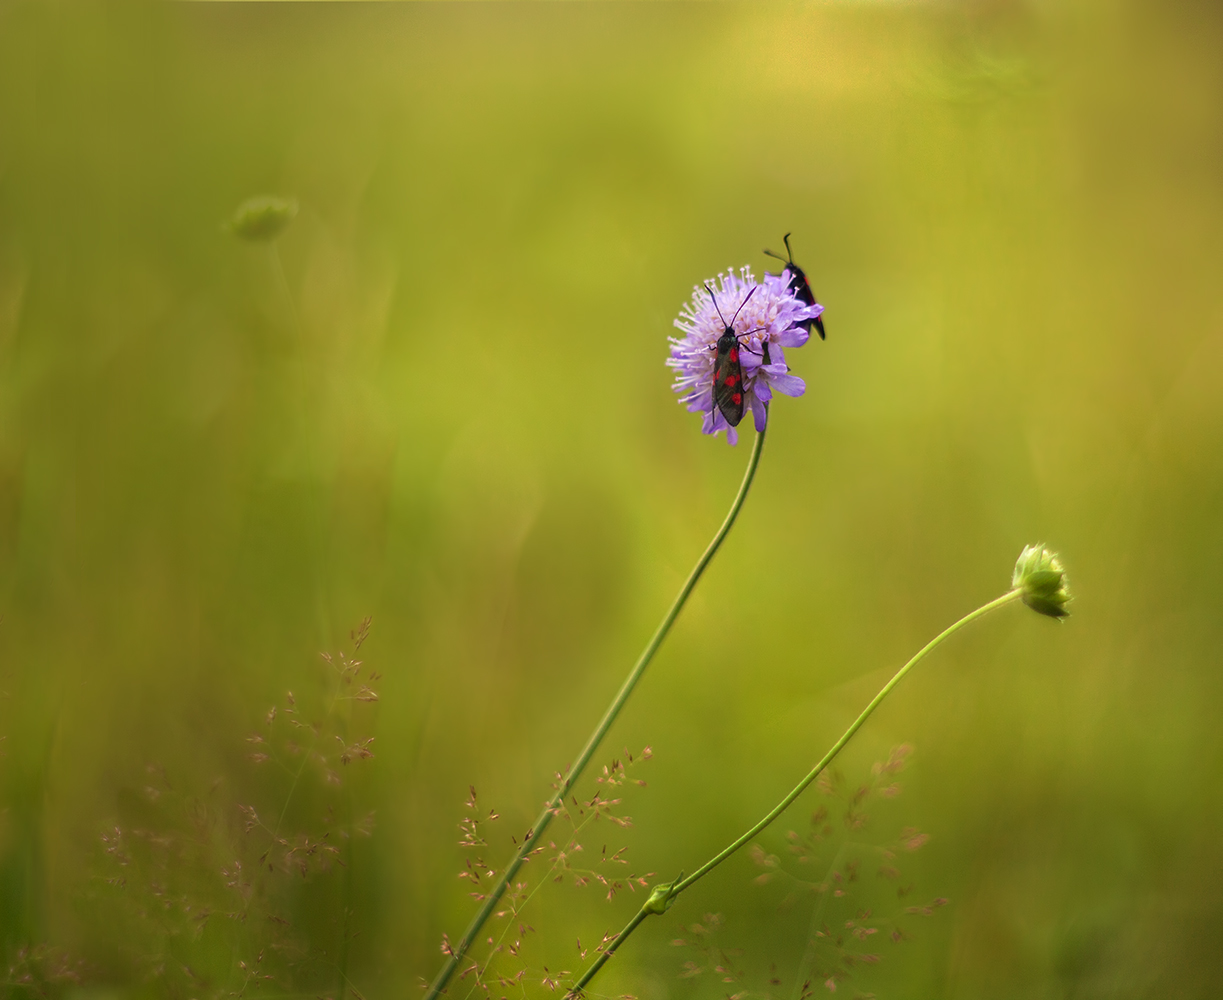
(665,894)
(567,780)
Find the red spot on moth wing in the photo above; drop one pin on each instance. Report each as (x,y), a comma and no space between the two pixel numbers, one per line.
(736,398)
(730,380)
(734,355)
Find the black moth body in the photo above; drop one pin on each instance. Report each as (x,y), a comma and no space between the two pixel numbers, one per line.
(728,379)
(727,371)
(800,286)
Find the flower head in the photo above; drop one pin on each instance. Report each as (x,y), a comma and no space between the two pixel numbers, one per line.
(1039,574)
(262,218)
(765,317)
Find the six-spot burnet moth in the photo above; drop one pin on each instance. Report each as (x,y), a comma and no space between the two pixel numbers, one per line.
(727,372)
(800,286)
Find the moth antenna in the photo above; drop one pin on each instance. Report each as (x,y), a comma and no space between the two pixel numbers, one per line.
(786,239)
(778,256)
(715,304)
(740,309)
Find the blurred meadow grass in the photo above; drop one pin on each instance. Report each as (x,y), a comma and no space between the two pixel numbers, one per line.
(452,415)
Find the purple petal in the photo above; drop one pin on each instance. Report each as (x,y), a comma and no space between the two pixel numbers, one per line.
(698,400)
(796,336)
(732,436)
(788,385)
(760,412)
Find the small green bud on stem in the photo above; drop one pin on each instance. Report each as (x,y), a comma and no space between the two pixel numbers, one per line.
(1039,574)
(662,896)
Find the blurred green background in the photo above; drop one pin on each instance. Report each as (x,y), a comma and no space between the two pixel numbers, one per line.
(439,400)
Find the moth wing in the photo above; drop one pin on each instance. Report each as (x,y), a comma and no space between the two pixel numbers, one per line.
(802,289)
(728,385)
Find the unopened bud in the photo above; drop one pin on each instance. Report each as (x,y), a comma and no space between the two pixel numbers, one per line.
(1039,574)
(262,218)
(662,896)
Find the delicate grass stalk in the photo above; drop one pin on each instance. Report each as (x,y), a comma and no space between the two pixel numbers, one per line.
(348,861)
(570,777)
(664,895)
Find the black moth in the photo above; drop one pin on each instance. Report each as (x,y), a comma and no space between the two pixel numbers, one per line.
(800,286)
(727,372)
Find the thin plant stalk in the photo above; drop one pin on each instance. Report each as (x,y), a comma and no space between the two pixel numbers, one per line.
(664,895)
(321,574)
(570,777)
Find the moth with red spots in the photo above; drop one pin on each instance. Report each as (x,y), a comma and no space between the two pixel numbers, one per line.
(800,286)
(727,371)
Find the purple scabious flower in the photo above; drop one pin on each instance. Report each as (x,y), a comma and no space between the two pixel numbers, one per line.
(766,325)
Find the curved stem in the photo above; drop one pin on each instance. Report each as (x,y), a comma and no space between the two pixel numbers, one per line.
(837,747)
(575,769)
(660,902)
(579,988)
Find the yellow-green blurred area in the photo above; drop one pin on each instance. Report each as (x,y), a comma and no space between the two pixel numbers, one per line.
(438,399)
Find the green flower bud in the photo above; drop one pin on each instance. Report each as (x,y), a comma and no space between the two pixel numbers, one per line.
(262,218)
(662,896)
(1040,576)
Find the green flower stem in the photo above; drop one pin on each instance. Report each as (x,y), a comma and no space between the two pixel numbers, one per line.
(660,901)
(575,770)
